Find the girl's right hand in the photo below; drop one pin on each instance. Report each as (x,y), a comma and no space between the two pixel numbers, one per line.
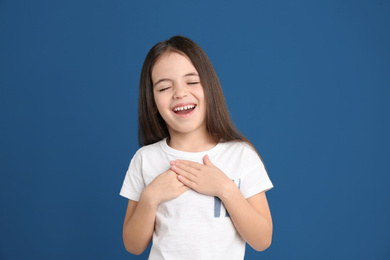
(140,217)
(163,188)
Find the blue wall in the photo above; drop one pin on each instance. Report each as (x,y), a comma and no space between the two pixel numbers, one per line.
(307,81)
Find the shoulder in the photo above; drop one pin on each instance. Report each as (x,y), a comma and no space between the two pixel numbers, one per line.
(240,150)
(150,150)
(238,146)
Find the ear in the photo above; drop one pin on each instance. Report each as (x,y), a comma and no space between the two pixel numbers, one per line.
(154,108)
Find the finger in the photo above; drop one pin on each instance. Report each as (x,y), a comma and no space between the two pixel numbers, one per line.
(186,182)
(195,165)
(186,168)
(206,161)
(182,172)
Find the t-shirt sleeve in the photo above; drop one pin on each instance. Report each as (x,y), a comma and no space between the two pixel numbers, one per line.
(255,178)
(133,184)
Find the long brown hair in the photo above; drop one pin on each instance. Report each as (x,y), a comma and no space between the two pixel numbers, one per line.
(152,127)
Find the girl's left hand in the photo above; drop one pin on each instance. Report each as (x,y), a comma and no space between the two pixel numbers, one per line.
(204,178)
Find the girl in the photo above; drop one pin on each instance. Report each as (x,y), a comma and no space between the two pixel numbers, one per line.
(197,186)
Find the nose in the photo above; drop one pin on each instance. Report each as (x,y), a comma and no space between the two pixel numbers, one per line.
(180,91)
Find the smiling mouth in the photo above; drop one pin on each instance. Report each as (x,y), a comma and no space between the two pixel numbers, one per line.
(184,109)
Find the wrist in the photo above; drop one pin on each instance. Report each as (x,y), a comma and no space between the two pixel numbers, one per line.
(148,198)
(227,189)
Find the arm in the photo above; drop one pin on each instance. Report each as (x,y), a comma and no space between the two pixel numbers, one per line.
(251,217)
(138,225)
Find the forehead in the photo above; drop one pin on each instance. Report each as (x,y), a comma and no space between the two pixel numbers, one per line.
(172,64)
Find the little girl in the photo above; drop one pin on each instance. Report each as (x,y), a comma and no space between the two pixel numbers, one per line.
(197,186)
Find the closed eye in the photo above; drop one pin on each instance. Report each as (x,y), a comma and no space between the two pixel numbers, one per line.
(193,83)
(163,89)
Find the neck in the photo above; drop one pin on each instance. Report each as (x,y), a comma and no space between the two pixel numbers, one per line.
(190,143)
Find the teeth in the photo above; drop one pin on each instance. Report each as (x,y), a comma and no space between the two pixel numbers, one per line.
(184,108)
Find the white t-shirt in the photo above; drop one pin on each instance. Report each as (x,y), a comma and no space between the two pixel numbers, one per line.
(196,226)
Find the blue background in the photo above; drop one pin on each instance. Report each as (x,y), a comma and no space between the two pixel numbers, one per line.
(306,81)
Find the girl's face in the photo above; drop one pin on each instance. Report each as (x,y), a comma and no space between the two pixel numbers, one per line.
(179,95)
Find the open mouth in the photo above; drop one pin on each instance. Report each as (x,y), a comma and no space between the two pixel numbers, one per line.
(182,110)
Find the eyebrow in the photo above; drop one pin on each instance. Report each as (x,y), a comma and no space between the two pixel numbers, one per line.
(191,74)
(165,79)
(161,80)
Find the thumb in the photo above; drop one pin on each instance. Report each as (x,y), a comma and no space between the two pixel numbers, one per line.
(206,161)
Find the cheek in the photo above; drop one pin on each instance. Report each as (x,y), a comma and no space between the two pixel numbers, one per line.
(156,105)
(201,96)
(160,103)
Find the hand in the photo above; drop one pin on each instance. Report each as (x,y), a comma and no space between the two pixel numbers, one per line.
(165,187)
(204,178)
